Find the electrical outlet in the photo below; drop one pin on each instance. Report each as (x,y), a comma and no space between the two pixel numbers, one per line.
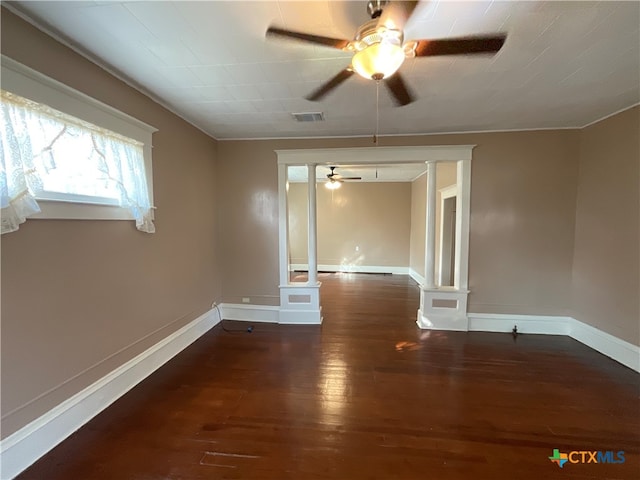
(246,300)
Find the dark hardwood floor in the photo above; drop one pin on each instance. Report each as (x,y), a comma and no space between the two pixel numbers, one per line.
(366,395)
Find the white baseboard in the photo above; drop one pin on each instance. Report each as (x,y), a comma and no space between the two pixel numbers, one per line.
(22,448)
(538,324)
(624,352)
(416,276)
(301,317)
(619,350)
(270,314)
(442,322)
(250,313)
(352,268)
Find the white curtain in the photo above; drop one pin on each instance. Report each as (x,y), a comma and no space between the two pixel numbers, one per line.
(35,138)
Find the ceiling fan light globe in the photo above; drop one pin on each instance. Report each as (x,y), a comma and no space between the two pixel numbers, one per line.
(382,58)
(332,184)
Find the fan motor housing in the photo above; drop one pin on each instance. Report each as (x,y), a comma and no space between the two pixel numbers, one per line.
(369,33)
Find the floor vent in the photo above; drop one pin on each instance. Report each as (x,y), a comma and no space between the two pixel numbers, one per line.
(309,116)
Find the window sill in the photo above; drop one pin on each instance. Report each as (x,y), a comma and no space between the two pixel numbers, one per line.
(80,211)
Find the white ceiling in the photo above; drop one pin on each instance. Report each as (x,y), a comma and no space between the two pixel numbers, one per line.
(564,64)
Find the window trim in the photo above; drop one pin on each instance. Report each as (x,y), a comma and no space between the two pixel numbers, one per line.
(29,83)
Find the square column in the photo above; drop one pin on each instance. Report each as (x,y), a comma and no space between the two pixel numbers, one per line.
(443,309)
(300,304)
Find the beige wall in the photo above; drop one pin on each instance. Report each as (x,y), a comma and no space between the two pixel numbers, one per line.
(446,173)
(522,216)
(80,298)
(358,224)
(248,217)
(297,204)
(606,288)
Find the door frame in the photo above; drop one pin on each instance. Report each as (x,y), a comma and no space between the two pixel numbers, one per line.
(300,302)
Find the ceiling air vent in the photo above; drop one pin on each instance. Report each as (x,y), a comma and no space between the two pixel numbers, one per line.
(309,116)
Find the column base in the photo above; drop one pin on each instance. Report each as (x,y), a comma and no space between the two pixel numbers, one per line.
(443,309)
(300,304)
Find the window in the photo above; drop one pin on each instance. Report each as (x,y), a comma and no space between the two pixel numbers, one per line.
(65,155)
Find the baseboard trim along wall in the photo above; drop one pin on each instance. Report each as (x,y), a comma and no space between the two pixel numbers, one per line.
(266,314)
(537,324)
(24,447)
(352,268)
(619,350)
(250,312)
(416,276)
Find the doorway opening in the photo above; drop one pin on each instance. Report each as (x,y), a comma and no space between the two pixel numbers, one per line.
(449,266)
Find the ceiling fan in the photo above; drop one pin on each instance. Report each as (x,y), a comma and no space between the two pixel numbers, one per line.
(335,179)
(379,48)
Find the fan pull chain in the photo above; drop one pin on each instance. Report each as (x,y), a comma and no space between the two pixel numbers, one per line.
(375,137)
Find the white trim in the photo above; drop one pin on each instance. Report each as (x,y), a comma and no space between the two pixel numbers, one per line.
(448,192)
(613,347)
(38,87)
(463,221)
(301,317)
(283,224)
(461,154)
(373,155)
(250,313)
(79,211)
(610,115)
(538,324)
(24,447)
(624,352)
(443,318)
(430,227)
(417,277)
(312,226)
(34,85)
(391,135)
(300,304)
(352,268)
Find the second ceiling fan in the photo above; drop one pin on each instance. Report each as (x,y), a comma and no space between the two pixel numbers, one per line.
(335,179)
(379,48)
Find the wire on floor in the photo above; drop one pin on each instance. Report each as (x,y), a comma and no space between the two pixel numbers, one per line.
(249,329)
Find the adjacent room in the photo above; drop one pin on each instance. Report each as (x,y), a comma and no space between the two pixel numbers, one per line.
(320,239)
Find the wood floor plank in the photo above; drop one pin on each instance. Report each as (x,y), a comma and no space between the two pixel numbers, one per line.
(365,395)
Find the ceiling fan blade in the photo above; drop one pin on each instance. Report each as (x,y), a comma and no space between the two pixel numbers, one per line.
(305,37)
(396,14)
(330,85)
(398,89)
(350,178)
(460,46)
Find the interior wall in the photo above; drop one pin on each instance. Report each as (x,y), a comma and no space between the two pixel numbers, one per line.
(298,216)
(522,216)
(80,298)
(446,175)
(605,285)
(359,224)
